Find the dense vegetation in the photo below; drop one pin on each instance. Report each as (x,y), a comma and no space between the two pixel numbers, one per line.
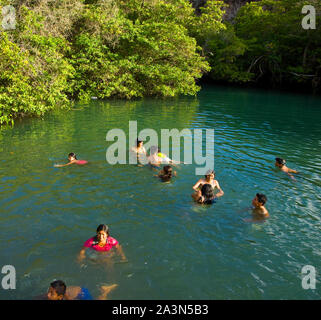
(62,51)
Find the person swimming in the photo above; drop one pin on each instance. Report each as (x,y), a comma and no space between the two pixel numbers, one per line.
(139,152)
(209,179)
(139,147)
(166,174)
(59,291)
(258,209)
(101,242)
(72,159)
(207,195)
(156,158)
(280,163)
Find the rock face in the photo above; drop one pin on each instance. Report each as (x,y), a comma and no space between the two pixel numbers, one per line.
(234,6)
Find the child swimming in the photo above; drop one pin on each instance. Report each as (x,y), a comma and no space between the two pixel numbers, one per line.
(72,159)
(101,242)
(209,179)
(59,291)
(280,163)
(259,211)
(166,174)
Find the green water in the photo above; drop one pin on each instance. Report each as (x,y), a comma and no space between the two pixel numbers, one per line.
(175,249)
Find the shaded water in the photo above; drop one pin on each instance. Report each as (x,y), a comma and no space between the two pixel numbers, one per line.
(175,249)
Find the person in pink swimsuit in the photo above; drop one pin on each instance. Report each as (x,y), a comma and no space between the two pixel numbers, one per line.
(102,242)
(72,159)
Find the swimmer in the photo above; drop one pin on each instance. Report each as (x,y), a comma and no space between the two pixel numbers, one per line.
(72,159)
(102,242)
(206,195)
(209,179)
(166,174)
(157,158)
(258,209)
(280,163)
(139,147)
(139,153)
(59,291)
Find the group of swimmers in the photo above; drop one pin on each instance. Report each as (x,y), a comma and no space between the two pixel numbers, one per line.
(203,193)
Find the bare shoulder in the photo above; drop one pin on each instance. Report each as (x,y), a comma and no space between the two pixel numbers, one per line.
(215,183)
(72,292)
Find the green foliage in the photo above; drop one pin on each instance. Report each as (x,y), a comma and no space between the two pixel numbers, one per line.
(33,71)
(279,50)
(208,24)
(224,49)
(130,58)
(76,49)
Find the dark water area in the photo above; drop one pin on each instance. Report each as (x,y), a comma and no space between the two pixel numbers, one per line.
(176,249)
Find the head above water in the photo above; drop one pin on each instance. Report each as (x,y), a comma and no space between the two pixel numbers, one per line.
(210,174)
(56,290)
(102,233)
(168,169)
(280,162)
(72,156)
(166,174)
(139,143)
(259,200)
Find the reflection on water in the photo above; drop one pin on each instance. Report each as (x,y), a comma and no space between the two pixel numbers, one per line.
(175,249)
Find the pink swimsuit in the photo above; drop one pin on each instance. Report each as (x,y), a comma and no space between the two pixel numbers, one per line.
(81,162)
(111,242)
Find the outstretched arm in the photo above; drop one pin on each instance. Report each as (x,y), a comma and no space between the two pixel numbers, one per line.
(174,162)
(121,252)
(63,165)
(105,290)
(81,255)
(245,209)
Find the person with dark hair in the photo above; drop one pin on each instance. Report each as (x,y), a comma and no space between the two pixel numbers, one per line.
(258,206)
(166,174)
(209,179)
(139,152)
(139,147)
(280,163)
(59,291)
(72,158)
(56,290)
(102,242)
(207,194)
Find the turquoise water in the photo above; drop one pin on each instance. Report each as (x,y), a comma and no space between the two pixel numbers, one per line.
(175,248)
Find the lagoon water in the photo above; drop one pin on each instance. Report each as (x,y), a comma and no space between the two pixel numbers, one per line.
(175,248)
